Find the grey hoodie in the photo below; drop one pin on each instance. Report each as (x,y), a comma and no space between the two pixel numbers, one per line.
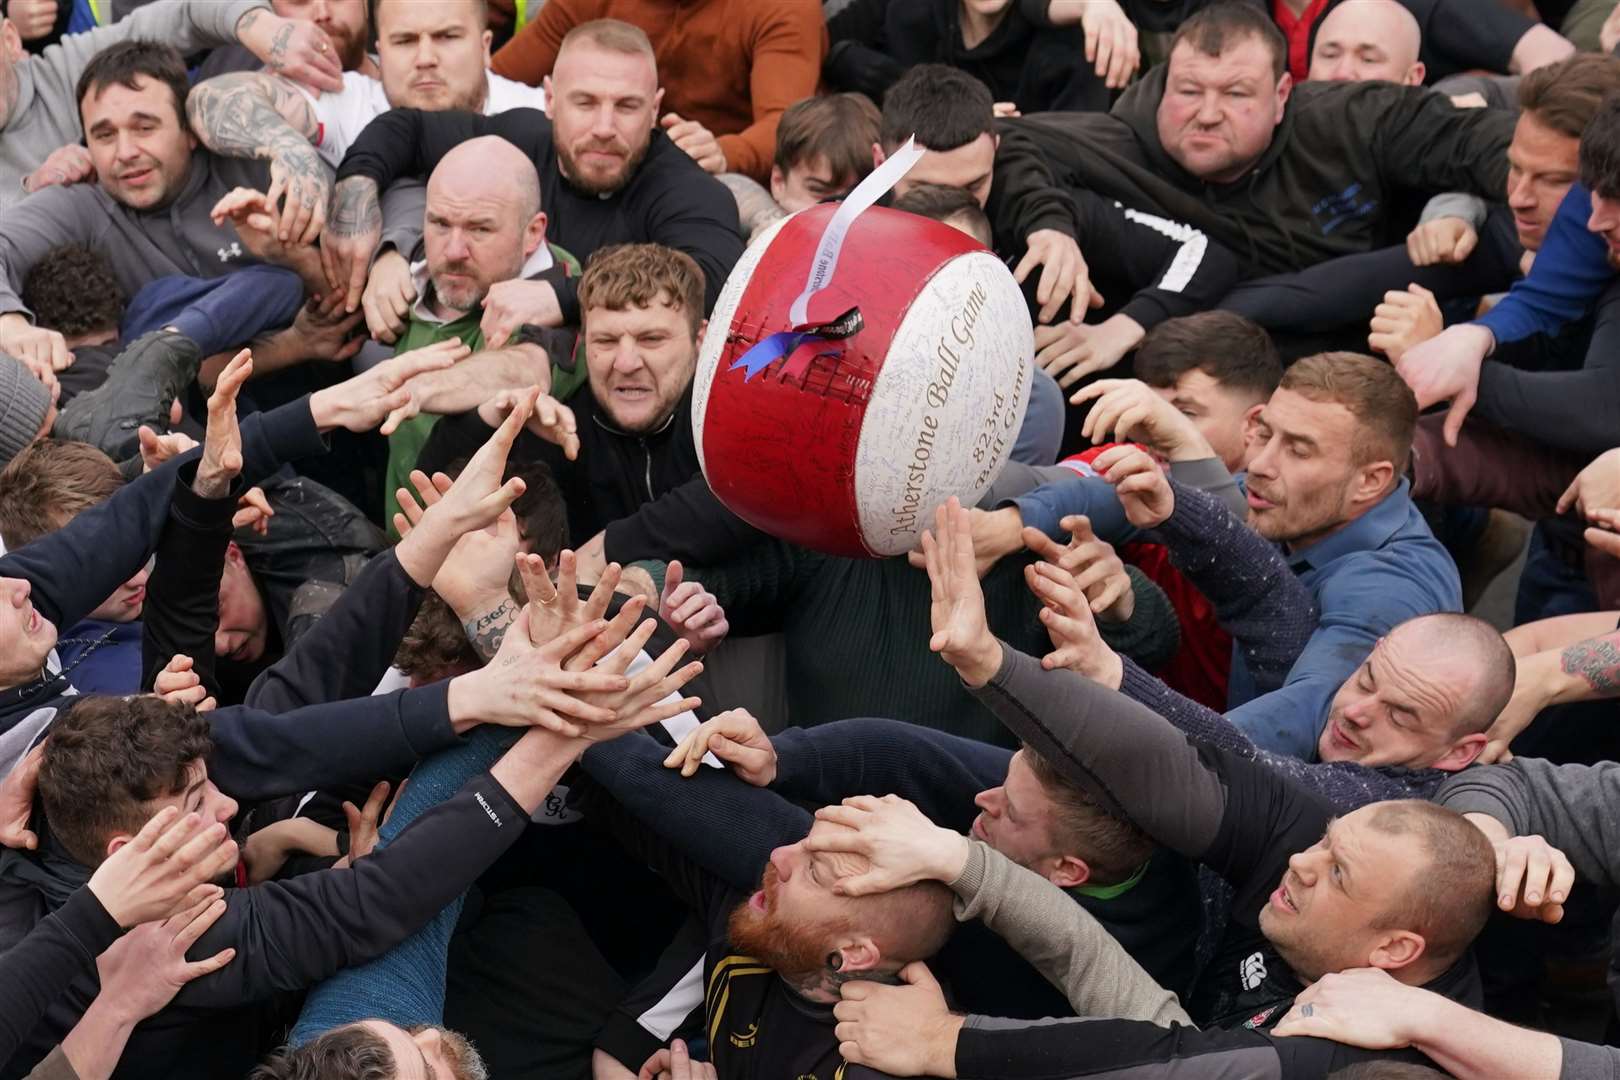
(139,245)
(46,114)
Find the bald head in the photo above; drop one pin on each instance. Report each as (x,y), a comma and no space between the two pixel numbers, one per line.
(1368,41)
(483,222)
(1472,656)
(489,168)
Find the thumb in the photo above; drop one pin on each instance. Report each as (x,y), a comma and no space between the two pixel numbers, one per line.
(672,580)
(1567,499)
(174,412)
(670,120)
(916,973)
(1465,246)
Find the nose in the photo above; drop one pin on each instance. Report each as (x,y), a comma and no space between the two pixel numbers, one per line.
(426,55)
(1265,460)
(139,579)
(602,122)
(1209,109)
(626,357)
(227,808)
(784,858)
(1519,194)
(19,592)
(1303,865)
(126,146)
(989,801)
(319,12)
(1357,715)
(456,246)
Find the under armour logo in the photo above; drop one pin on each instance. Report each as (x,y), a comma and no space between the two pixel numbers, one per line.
(1252,971)
(228,253)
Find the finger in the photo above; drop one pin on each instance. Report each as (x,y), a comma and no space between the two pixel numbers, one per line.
(1456,415)
(673,575)
(1510,877)
(1031,259)
(1567,499)
(197,924)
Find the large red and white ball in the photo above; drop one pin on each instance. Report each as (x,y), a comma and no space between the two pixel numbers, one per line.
(850,453)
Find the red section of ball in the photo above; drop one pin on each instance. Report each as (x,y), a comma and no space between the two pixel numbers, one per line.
(779,446)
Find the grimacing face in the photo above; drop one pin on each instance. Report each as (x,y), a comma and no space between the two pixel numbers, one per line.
(200,796)
(1400,707)
(786,921)
(433,54)
(1219,112)
(1301,475)
(1322,914)
(640,362)
(603,107)
(141,152)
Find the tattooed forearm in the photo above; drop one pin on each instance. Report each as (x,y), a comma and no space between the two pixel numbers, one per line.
(250,114)
(355,209)
(485,632)
(1597,661)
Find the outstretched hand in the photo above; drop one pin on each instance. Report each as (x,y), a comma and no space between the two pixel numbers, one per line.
(1065,613)
(221,461)
(164,868)
(956,603)
(1143,489)
(381,392)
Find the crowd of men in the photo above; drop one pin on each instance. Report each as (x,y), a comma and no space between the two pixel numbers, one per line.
(385,695)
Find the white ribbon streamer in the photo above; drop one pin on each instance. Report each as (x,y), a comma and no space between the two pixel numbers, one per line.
(867,192)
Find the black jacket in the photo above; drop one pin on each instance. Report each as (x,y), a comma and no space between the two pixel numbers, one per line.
(1323,188)
(875,41)
(669,200)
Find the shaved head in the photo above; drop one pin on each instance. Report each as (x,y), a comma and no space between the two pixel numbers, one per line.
(1368,41)
(1472,656)
(489,167)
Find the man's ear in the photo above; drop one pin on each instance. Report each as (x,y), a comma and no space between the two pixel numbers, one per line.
(1374,481)
(546,93)
(703,328)
(11,40)
(1285,86)
(1462,753)
(1067,871)
(117,842)
(534,234)
(489,39)
(658,107)
(859,954)
(1401,948)
(1416,74)
(778,184)
(878,156)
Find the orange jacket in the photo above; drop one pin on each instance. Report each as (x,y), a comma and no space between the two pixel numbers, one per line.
(731,65)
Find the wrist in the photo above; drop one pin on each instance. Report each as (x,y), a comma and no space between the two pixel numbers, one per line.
(422,552)
(465,701)
(980,665)
(1007,531)
(942,1060)
(950,856)
(112,1014)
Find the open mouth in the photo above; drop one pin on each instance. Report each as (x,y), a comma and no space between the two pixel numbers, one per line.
(1283,900)
(1258,501)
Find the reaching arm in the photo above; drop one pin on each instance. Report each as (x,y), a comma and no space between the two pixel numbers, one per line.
(1257,598)
(1060,939)
(251,114)
(784,67)
(1570,272)
(472,381)
(290,934)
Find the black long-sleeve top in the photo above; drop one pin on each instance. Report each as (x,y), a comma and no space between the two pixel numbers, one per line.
(289,935)
(60,950)
(668,200)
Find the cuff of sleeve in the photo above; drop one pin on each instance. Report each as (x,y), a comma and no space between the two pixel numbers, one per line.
(1148,309)
(88,923)
(1137,684)
(627,1042)
(425,718)
(1202,474)
(1587,1060)
(199,512)
(291,433)
(968,883)
(484,787)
